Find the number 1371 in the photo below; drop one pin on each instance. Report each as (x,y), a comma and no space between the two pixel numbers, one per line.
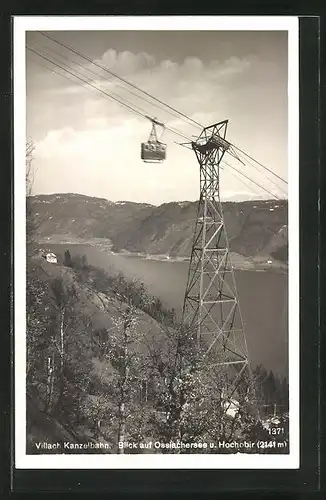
(276,431)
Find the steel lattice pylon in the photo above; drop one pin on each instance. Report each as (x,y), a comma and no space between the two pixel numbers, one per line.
(211,304)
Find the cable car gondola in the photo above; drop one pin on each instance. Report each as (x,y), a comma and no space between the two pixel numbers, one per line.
(153,151)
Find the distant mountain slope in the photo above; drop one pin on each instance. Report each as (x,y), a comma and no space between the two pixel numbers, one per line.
(83,216)
(254,227)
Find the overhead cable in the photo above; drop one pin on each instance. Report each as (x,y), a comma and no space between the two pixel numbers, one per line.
(180,113)
(115,75)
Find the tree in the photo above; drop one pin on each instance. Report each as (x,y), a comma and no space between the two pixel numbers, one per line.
(128,362)
(64,318)
(115,249)
(189,393)
(285,395)
(118,375)
(181,389)
(37,320)
(67,258)
(29,152)
(97,369)
(272,393)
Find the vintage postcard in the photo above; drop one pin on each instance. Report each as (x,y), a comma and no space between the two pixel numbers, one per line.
(156,242)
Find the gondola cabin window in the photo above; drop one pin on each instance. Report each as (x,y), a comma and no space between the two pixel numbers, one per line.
(153,151)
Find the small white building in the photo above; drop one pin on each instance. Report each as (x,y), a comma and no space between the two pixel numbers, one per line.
(51,257)
(268,423)
(231,407)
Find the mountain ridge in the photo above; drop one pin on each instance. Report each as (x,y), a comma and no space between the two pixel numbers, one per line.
(256,228)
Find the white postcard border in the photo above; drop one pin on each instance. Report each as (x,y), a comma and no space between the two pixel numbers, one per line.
(178,23)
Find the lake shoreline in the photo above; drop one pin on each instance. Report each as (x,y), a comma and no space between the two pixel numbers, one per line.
(239,262)
(263,294)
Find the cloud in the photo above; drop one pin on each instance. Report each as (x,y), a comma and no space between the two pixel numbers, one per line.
(125,63)
(190,86)
(106,162)
(86,143)
(166,78)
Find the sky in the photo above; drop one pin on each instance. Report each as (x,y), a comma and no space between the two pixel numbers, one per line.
(90,144)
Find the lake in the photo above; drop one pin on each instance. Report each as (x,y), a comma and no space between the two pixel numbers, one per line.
(263,297)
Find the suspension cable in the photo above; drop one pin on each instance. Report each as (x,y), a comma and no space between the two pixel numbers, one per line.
(101,76)
(133,109)
(78,74)
(251,180)
(85,81)
(250,164)
(189,119)
(263,166)
(247,185)
(110,95)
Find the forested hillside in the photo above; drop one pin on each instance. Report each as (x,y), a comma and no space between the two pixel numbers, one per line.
(105,364)
(255,228)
